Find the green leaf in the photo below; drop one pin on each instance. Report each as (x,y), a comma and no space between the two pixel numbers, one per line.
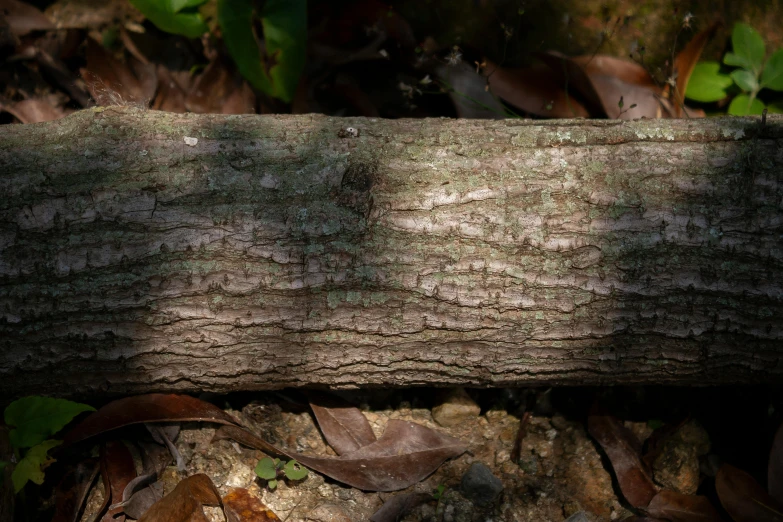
(776,108)
(32,465)
(742,105)
(272,484)
(748,47)
(745,79)
(294,471)
(772,77)
(167,18)
(266,469)
(707,83)
(438,494)
(175,6)
(284,23)
(35,419)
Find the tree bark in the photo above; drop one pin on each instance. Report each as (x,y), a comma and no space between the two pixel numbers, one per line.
(284,251)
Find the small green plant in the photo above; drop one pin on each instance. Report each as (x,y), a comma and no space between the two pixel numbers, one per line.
(284,22)
(438,495)
(710,82)
(32,421)
(272,469)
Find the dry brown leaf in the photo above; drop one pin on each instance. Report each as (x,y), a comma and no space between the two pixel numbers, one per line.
(625,70)
(170,97)
(575,77)
(638,101)
(744,499)
(241,506)
(535,90)
(685,62)
(72,490)
(185,503)
(219,89)
(404,455)
(23,18)
(117,471)
(34,110)
(112,82)
(345,428)
(153,407)
(677,507)
(624,452)
(605,81)
(468,91)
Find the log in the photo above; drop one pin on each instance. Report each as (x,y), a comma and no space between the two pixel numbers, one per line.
(143,251)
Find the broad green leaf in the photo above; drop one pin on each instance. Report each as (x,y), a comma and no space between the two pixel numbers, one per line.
(775,108)
(748,47)
(272,484)
(285,32)
(284,23)
(175,6)
(35,419)
(745,79)
(742,105)
(772,77)
(707,83)
(266,469)
(236,21)
(32,465)
(294,471)
(162,14)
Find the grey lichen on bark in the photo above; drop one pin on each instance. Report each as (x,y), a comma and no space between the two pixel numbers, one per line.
(279,251)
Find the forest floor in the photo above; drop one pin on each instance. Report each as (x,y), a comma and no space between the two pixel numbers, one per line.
(557,470)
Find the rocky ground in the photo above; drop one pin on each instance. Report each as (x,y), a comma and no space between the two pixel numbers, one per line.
(560,472)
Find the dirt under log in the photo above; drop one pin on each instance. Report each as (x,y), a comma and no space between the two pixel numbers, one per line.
(276,251)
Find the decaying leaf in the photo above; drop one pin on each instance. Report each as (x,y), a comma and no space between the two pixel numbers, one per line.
(744,499)
(241,506)
(170,96)
(72,490)
(404,455)
(22,17)
(597,85)
(140,494)
(344,426)
(166,433)
(185,503)
(469,93)
(112,82)
(685,62)
(117,471)
(34,110)
(153,407)
(677,507)
(624,452)
(605,80)
(220,90)
(535,90)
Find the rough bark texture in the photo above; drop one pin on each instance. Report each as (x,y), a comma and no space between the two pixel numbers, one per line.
(281,251)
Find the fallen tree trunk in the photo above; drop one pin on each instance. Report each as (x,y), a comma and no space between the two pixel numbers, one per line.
(286,251)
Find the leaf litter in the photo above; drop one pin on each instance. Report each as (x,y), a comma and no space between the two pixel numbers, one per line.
(409,452)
